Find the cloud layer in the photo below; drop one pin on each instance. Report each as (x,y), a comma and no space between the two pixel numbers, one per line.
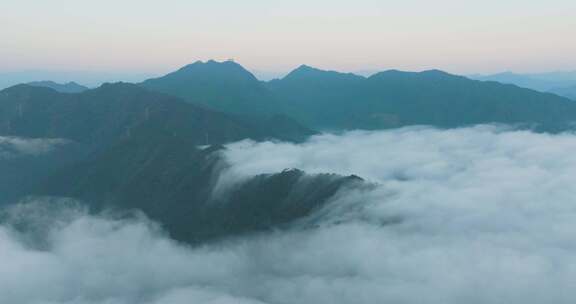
(473,215)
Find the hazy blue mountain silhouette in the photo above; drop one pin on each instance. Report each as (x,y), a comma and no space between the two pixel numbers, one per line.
(568,92)
(559,83)
(70,87)
(224,86)
(332,100)
(115,110)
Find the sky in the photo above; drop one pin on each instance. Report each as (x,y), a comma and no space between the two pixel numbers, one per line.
(268,37)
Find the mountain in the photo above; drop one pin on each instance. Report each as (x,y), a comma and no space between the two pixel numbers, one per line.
(70,87)
(87,78)
(223,86)
(318,98)
(336,101)
(173,181)
(96,120)
(568,92)
(133,149)
(113,111)
(544,82)
(524,81)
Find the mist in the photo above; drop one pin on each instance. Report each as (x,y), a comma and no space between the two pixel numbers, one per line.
(11,147)
(473,215)
(87,78)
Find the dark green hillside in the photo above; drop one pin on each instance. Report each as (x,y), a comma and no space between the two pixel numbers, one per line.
(96,120)
(112,111)
(172,181)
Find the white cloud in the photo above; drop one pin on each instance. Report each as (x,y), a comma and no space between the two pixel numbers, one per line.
(19,146)
(484,216)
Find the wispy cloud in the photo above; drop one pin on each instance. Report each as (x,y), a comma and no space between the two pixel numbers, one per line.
(18,146)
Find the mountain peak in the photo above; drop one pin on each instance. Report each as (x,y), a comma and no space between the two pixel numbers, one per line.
(438,74)
(435,72)
(305,69)
(306,72)
(69,87)
(224,86)
(212,65)
(207,71)
(428,74)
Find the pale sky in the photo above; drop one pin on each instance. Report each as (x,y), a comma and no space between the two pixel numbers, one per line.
(460,36)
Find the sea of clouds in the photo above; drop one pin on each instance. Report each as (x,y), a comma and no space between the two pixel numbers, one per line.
(480,215)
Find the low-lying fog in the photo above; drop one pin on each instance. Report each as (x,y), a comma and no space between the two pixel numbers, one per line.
(472,215)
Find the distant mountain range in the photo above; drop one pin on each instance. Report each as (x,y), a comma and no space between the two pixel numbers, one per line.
(156,146)
(336,101)
(569,92)
(70,87)
(560,83)
(85,77)
(328,100)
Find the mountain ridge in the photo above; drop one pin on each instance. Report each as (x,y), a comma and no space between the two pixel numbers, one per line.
(69,87)
(396,98)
